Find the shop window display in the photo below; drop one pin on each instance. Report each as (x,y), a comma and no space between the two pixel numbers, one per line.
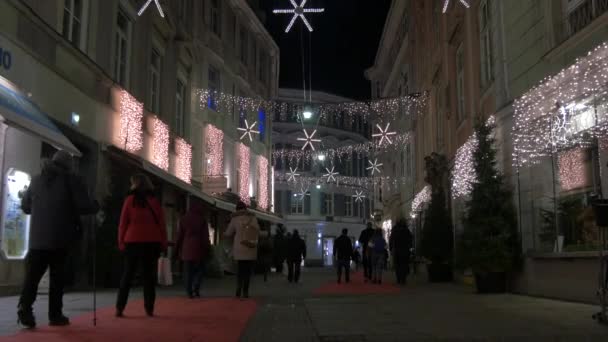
(15,224)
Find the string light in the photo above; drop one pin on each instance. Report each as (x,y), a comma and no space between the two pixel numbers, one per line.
(243,154)
(298,11)
(359,196)
(566,110)
(421,198)
(160,144)
(248,130)
(384,134)
(145,6)
(131,122)
(263,179)
(374,166)
(446,3)
(345,181)
(572,170)
(183,162)
(309,139)
(215,151)
(291,176)
(331,175)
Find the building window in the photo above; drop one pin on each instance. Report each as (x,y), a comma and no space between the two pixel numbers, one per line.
(154,72)
(180,107)
(244,47)
(329,204)
(460,82)
(74,21)
(297,204)
(485,36)
(122,46)
(580,13)
(214,86)
(216,17)
(348,206)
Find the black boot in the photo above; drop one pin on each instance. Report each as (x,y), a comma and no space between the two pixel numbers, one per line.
(59,320)
(26,318)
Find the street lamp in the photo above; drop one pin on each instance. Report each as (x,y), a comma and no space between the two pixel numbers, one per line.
(307,113)
(321,157)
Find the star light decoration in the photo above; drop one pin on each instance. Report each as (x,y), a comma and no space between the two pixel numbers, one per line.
(384,134)
(374,166)
(145,6)
(446,3)
(358,196)
(298,11)
(309,139)
(331,175)
(292,174)
(304,191)
(248,130)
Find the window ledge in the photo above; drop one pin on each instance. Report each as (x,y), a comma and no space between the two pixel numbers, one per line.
(572,41)
(565,255)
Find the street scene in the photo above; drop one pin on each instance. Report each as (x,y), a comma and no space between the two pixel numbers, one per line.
(303,170)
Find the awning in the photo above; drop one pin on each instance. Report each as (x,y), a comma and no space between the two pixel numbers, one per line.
(225,205)
(264,216)
(18,111)
(176,182)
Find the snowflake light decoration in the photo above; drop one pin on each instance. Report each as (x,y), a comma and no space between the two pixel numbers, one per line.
(304,191)
(384,134)
(298,11)
(292,174)
(145,6)
(359,196)
(446,3)
(248,130)
(375,166)
(331,175)
(309,139)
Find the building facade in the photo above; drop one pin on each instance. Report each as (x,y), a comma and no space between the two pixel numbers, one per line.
(318,209)
(130,93)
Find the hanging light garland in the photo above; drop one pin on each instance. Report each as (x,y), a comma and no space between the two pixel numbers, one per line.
(572,169)
(564,111)
(263,200)
(215,151)
(343,181)
(131,122)
(160,144)
(183,162)
(243,171)
(421,198)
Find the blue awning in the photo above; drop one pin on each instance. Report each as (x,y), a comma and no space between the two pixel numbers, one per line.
(19,111)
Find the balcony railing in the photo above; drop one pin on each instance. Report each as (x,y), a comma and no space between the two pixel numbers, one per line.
(579,14)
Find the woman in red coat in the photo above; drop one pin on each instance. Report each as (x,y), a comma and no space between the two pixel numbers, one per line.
(193,246)
(142,236)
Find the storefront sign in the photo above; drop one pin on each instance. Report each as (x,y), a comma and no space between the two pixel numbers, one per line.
(6,59)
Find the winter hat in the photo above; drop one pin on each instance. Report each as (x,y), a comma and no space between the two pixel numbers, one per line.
(63,158)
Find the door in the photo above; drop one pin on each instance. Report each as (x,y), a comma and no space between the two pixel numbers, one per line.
(328,251)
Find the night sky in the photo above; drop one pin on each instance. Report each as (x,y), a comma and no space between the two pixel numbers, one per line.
(344,43)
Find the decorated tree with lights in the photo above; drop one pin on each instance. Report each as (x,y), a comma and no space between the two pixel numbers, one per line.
(490,241)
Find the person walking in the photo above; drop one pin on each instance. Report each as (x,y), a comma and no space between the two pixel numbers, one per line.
(279,248)
(142,236)
(343,253)
(378,249)
(296,252)
(55,199)
(192,246)
(364,240)
(265,257)
(246,231)
(400,244)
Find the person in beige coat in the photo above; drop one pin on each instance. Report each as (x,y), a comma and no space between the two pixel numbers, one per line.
(246,231)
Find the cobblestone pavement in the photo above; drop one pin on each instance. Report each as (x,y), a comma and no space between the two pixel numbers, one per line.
(421,312)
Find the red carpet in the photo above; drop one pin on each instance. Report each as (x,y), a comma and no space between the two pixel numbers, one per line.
(177,320)
(357,286)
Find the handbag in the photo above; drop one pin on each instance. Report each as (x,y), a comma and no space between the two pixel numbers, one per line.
(165,276)
(247,242)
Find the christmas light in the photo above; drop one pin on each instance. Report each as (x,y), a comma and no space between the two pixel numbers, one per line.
(304,191)
(569,109)
(421,198)
(572,169)
(292,174)
(263,181)
(243,171)
(215,151)
(345,181)
(359,196)
(446,3)
(248,130)
(160,144)
(183,162)
(298,11)
(145,6)
(309,139)
(331,175)
(384,134)
(131,122)
(374,167)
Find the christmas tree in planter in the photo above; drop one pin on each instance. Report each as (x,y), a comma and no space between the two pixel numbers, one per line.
(437,243)
(490,243)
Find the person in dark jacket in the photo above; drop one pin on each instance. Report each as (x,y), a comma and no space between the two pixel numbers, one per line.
(193,246)
(296,252)
(377,247)
(55,200)
(400,244)
(343,253)
(142,236)
(364,238)
(279,248)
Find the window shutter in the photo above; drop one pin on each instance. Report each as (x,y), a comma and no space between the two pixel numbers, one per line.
(287,202)
(307,205)
(339,206)
(277,202)
(356,209)
(323,204)
(367,209)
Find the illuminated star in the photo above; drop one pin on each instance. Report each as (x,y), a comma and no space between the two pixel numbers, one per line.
(374,166)
(446,3)
(292,175)
(359,196)
(145,6)
(309,139)
(303,192)
(248,130)
(298,11)
(384,134)
(331,175)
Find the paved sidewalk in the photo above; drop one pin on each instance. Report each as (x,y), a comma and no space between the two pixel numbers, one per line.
(420,312)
